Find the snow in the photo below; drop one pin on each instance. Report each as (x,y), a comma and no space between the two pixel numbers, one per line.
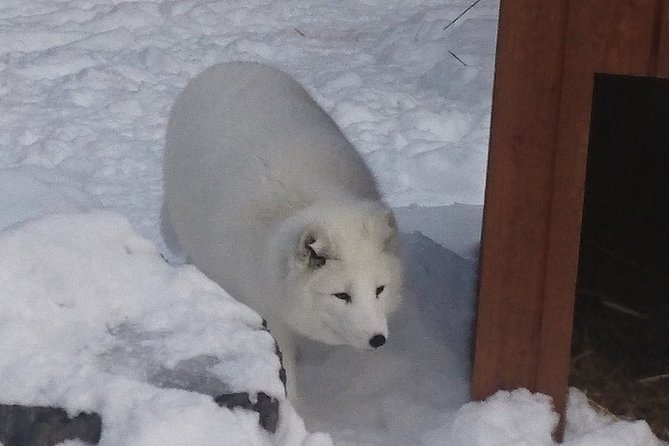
(589,428)
(520,418)
(85,91)
(89,302)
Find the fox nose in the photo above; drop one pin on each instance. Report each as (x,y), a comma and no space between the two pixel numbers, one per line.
(377,341)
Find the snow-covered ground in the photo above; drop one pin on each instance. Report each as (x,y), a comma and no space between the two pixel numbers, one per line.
(85,91)
(93,319)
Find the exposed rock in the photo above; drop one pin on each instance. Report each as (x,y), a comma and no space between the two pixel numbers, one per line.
(45,426)
(267,407)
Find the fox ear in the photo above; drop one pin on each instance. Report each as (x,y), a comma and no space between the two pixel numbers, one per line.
(313,247)
(391,242)
(389,220)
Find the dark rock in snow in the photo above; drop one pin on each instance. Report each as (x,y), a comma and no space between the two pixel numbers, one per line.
(45,426)
(267,407)
(193,375)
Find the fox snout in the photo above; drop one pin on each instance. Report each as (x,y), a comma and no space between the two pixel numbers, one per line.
(377,340)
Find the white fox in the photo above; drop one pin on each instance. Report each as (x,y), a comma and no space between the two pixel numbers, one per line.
(267,197)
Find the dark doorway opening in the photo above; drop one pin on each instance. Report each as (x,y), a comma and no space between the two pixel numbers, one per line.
(620,348)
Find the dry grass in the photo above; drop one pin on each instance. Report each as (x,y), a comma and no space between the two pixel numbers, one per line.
(610,387)
(619,360)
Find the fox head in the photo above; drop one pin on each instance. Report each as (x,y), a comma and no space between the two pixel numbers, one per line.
(342,275)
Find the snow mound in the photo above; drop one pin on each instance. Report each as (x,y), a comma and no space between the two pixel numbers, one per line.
(517,418)
(92,319)
(586,427)
(522,418)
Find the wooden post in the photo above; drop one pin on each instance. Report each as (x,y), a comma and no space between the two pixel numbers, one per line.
(662,69)
(548,52)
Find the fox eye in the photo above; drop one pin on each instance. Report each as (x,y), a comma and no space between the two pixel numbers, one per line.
(343,296)
(379,290)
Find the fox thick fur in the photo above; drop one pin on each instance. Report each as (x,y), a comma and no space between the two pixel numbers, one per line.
(268,198)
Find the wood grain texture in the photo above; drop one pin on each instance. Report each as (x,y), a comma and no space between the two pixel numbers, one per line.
(662,68)
(520,173)
(548,53)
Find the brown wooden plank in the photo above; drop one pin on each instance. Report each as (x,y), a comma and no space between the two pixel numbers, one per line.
(548,52)
(662,69)
(621,41)
(522,142)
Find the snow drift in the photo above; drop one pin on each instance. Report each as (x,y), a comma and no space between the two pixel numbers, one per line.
(93,319)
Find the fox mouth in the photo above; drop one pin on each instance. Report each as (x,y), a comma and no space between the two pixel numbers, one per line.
(339,338)
(343,340)
(357,343)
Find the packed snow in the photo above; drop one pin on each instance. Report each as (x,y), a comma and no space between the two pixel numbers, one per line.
(85,91)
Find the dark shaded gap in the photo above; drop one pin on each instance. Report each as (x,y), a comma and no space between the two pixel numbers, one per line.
(620,348)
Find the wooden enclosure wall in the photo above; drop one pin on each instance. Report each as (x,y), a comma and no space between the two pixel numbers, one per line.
(547,54)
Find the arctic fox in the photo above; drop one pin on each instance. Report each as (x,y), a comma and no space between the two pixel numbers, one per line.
(267,197)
